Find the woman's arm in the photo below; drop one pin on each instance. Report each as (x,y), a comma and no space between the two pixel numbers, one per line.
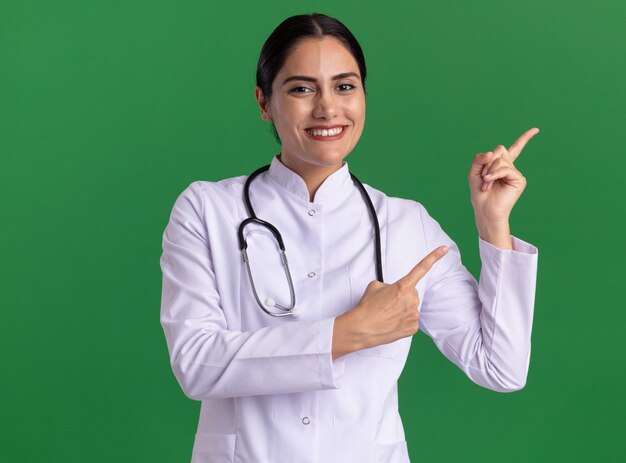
(484,328)
(208,359)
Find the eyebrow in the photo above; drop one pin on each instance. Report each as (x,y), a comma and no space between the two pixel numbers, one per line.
(343,75)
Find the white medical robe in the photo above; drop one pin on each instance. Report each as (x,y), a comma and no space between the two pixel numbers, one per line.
(270,390)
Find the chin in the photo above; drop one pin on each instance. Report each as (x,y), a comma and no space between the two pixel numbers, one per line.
(319,157)
(331,155)
(329,159)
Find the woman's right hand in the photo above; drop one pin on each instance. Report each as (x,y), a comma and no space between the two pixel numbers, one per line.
(385,313)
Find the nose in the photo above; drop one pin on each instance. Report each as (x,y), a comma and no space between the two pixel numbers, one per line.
(325,105)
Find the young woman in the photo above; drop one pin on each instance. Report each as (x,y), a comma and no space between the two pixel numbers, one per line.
(290,296)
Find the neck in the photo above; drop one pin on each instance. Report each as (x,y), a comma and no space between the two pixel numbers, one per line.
(312,175)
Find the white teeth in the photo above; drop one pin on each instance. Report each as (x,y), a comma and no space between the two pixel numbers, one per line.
(324,132)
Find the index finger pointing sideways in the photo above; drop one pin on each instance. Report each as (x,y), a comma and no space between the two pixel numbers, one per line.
(516,148)
(422,267)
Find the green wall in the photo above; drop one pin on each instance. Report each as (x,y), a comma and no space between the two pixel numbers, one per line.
(109,109)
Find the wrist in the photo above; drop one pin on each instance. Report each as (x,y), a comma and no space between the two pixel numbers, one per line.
(496,233)
(345,338)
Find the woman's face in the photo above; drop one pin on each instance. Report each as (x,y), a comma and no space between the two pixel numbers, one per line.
(318,87)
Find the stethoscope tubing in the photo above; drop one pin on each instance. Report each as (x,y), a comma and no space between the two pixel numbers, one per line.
(243,245)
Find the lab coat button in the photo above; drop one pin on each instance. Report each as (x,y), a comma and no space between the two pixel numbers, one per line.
(306,420)
(311,274)
(312,212)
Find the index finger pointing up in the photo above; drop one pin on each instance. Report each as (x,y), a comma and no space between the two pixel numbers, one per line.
(517,147)
(417,272)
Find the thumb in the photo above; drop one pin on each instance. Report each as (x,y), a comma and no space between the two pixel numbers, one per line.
(478,165)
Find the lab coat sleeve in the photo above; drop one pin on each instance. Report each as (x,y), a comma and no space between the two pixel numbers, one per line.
(210,360)
(484,328)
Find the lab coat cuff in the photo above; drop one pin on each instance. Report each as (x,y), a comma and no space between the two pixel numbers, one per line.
(523,253)
(331,371)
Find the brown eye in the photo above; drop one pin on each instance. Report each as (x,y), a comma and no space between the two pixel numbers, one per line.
(300,90)
(349,87)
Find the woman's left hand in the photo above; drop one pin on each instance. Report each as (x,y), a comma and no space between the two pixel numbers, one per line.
(495,183)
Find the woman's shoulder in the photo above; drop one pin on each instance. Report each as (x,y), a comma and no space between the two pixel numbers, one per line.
(398,208)
(206,195)
(220,190)
(226,186)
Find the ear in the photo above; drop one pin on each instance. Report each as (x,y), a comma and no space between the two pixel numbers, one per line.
(263,103)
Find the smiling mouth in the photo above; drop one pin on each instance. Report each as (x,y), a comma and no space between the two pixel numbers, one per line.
(326,132)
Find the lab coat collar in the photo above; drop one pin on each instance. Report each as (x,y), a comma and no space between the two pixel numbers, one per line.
(334,188)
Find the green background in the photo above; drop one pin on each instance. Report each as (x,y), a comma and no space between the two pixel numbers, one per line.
(109,109)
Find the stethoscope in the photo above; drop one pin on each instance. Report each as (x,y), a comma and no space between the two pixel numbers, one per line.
(243,245)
